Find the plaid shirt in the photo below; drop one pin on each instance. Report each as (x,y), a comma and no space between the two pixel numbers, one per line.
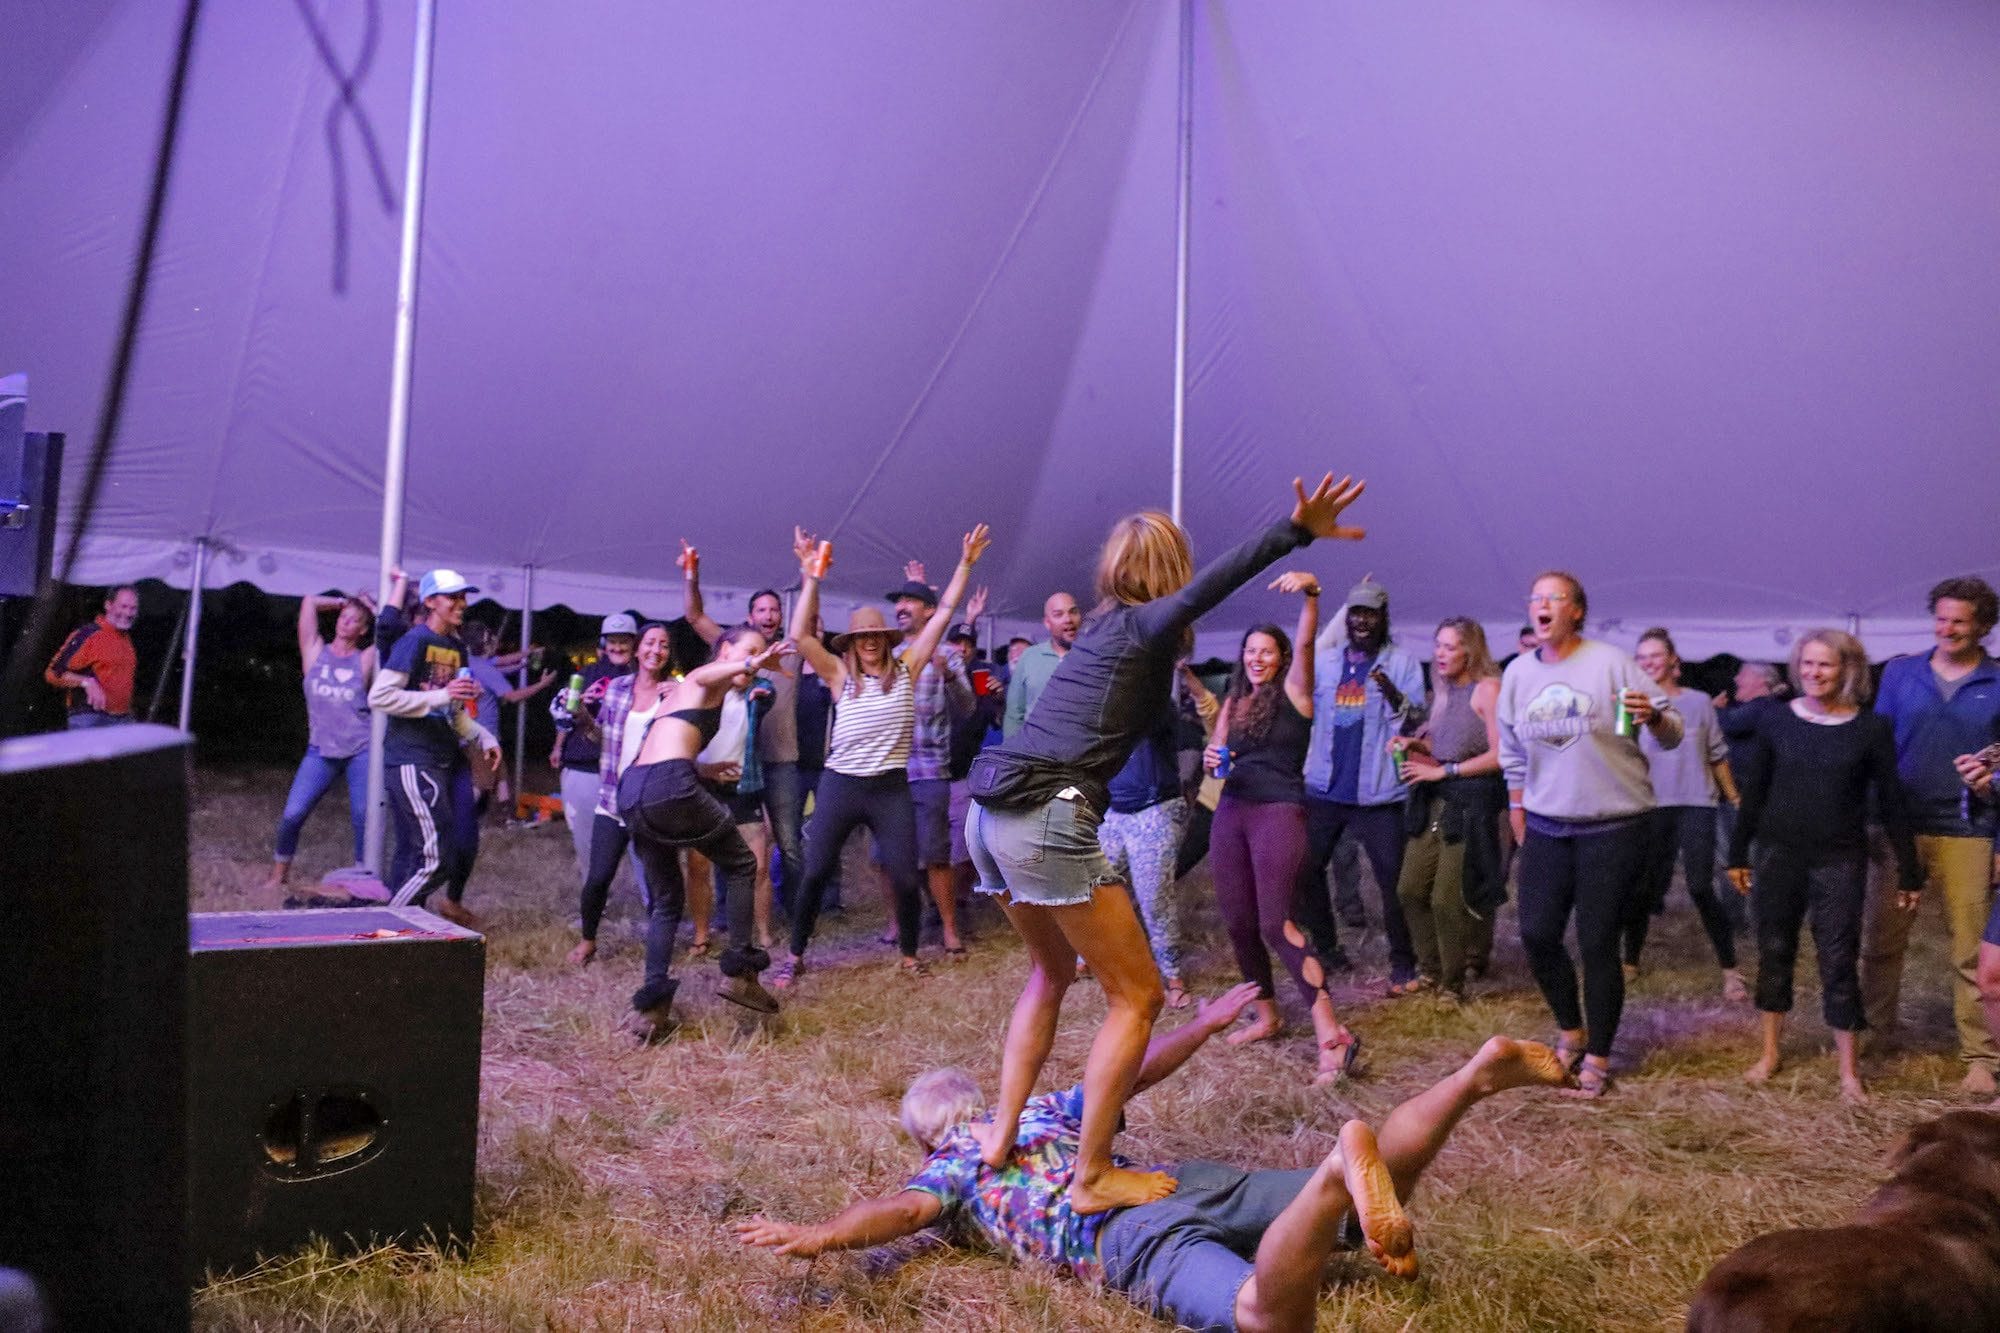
(943,695)
(611,715)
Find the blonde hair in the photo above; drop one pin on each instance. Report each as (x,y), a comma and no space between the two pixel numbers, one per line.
(1855,685)
(937,1101)
(1479,663)
(1146,557)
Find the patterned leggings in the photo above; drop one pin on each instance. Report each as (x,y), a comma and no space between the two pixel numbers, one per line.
(1142,848)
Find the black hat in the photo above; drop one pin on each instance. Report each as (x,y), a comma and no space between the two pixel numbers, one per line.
(962,633)
(923,592)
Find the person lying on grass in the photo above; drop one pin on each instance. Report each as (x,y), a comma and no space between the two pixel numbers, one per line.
(1228,1249)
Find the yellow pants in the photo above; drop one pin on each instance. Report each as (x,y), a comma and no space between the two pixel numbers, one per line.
(1960,872)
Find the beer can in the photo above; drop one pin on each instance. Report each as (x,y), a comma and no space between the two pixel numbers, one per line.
(1401,754)
(1622,722)
(1223,762)
(573,700)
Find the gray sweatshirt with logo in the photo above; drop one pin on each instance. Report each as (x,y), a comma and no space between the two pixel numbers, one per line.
(1558,742)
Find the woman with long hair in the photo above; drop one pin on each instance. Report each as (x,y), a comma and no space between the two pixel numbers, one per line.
(1039,797)
(1577,798)
(627,707)
(1812,768)
(1259,839)
(1687,781)
(668,807)
(336,678)
(1453,878)
(866,782)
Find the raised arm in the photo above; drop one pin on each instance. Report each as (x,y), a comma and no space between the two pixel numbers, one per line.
(310,640)
(1314,516)
(1299,680)
(811,569)
(855,1227)
(925,647)
(711,674)
(691,607)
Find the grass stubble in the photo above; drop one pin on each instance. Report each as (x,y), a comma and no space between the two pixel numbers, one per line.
(609,1174)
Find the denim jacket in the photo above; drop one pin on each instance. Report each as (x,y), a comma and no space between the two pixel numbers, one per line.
(1376,784)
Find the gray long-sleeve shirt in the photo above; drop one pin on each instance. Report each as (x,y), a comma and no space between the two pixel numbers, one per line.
(1558,744)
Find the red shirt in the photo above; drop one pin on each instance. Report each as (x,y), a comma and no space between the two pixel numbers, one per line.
(104,652)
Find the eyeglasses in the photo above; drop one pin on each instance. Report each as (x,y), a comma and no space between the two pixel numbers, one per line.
(1550,597)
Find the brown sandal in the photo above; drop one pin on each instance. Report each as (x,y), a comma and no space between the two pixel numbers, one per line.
(1349,1047)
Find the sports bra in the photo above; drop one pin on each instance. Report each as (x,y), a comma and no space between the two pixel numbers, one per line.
(705,721)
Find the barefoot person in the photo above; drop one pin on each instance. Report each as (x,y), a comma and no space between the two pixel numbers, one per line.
(867,779)
(337,676)
(1230,1249)
(1812,768)
(1259,839)
(1039,797)
(1577,796)
(667,806)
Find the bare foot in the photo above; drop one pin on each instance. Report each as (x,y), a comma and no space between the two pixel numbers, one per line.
(1979,1082)
(1852,1092)
(1761,1071)
(280,872)
(996,1143)
(1504,1063)
(1735,990)
(1120,1187)
(1264,1024)
(1373,1190)
(584,951)
(1177,996)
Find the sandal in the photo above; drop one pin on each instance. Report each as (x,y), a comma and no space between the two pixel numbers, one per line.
(957,953)
(699,949)
(1177,993)
(1349,1047)
(784,972)
(912,969)
(1592,1082)
(1416,985)
(1571,1056)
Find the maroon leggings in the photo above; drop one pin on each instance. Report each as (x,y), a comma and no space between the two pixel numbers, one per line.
(1255,852)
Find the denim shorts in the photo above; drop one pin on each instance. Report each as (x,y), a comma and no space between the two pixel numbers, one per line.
(1185,1258)
(1047,855)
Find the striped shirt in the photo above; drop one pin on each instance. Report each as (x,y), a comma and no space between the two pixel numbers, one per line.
(871,729)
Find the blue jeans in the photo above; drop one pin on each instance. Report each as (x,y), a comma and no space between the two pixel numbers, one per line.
(87,718)
(315,778)
(782,802)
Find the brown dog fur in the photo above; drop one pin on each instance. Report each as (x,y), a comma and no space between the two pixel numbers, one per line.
(1921,1256)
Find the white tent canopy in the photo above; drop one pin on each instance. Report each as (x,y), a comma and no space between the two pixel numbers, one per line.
(1697,299)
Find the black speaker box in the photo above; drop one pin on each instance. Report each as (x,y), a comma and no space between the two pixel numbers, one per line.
(93,968)
(333,1080)
(28,511)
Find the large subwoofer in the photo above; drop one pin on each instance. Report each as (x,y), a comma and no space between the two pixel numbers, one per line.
(333,1081)
(93,966)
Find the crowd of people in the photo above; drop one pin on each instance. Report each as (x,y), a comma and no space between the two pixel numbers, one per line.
(1056,783)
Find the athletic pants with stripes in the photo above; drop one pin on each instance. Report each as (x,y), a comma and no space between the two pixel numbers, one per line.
(437,830)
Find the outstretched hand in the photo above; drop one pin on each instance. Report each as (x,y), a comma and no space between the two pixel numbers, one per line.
(781,1237)
(1219,1013)
(769,657)
(975,606)
(913,570)
(1319,513)
(689,559)
(975,544)
(1296,581)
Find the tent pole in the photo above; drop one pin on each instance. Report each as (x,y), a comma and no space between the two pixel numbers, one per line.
(395,462)
(1185,174)
(521,709)
(191,644)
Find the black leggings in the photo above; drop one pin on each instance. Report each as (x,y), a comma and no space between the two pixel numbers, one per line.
(841,805)
(667,809)
(1689,831)
(1828,889)
(1596,875)
(608,841)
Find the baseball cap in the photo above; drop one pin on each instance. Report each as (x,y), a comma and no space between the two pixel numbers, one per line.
(1369,593)
(962,633)
(923,592)
(620,623)
(448,582)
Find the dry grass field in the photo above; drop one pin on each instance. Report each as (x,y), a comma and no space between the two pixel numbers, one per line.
(608,1173)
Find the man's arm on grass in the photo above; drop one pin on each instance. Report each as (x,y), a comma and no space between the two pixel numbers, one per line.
(856,1227)
(1168,1051)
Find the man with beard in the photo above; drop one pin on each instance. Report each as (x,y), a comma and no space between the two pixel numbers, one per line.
(1365,692)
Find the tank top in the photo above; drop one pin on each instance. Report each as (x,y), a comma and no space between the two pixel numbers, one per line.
(1271,770)
(1457,733)
(337,704)
(725,736)
(871,729)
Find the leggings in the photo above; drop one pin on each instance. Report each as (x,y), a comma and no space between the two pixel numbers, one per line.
(1257,849)
(1689,831)
(1595,875)
(842,804)
(1141,848)
(666,808)
(1829,889)
(608,841)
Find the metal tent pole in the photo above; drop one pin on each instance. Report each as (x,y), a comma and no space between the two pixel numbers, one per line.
(191,643)
(1182,210)
(521,709)
(395,463)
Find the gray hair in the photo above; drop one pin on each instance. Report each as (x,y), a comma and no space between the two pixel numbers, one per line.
(938,1100)
(1772,675)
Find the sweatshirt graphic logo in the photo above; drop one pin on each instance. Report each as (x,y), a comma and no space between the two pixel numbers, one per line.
(1555,717)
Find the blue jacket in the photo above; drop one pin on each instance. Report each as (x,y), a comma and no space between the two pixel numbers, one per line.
(1376,784)
(1930,733)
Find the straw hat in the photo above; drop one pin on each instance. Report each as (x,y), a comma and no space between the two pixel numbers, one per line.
(865,620)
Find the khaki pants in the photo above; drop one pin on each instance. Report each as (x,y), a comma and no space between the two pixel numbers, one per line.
(1960,871)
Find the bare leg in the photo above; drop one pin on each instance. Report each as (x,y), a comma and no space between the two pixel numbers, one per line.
(1107,932)
(700,896)
(1414,1131)
(1847,1048)
(945,894)
(280,872)
(1773,1025)
(1032,1029)
(758,839)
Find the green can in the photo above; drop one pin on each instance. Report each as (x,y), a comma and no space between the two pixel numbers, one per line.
(1622,722)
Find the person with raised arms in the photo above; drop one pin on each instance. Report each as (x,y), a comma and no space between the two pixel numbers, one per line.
(1040,796)
(336,676)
